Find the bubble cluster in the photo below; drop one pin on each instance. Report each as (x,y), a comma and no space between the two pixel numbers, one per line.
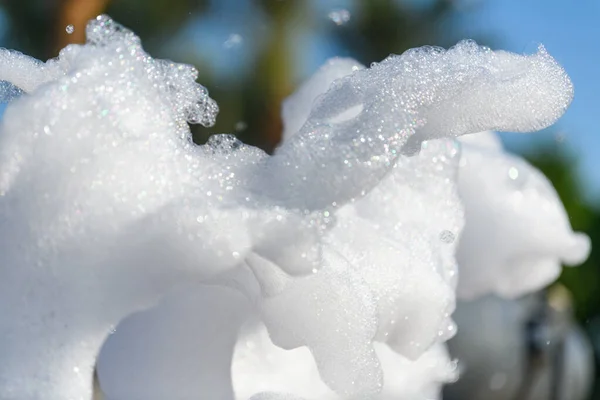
(340,247)
(339,17)
(8,92)
(102,191)
(373,115)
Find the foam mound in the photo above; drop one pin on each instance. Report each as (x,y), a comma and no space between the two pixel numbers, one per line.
(517,234)
(341,244)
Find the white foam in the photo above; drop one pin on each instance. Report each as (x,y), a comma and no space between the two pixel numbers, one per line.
(296,108)
(261,367)
(332,313)
(180,349)
(106,206)
(517,233)
(356,130)
(401,236)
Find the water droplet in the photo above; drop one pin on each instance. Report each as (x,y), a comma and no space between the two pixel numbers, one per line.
(447,236)
(513,173)
(339,17)
(70,29)
(234,40)
(240,126)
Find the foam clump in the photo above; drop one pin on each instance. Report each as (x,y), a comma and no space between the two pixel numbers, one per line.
(102,191)
(341,244)
(24,72)
(373,115)
(259,367)
(8,92)
(139,361)
(394,239)
(306,311)
(399,251)
(403,255)
(517,233)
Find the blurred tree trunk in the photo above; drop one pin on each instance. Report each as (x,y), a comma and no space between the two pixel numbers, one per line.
(97,395)
(276,67)
(76,13)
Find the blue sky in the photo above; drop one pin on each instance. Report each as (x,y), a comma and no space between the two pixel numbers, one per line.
(570,31)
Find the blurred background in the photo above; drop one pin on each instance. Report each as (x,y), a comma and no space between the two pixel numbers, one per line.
(251,54)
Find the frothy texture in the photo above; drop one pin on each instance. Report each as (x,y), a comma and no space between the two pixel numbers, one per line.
(341,244)
(516,225)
